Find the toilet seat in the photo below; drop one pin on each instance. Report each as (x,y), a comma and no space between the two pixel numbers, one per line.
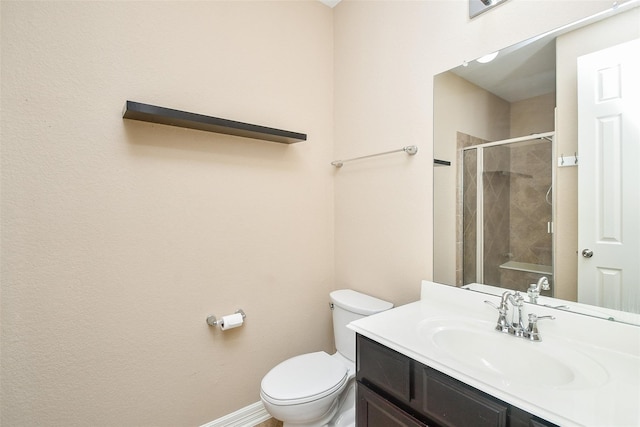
(303,379)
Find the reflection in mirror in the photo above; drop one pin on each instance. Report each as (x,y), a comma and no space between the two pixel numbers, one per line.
(560,304)
(505,203)
(506,212)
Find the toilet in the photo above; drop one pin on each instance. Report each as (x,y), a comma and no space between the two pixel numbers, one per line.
(318,389)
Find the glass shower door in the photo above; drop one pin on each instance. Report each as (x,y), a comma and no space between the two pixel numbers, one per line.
(507,213)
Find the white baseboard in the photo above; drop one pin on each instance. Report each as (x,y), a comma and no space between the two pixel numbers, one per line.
(248,416)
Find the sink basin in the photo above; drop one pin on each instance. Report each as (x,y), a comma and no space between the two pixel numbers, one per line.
(477,346)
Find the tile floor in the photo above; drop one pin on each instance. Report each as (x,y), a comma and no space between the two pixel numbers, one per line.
(272,422)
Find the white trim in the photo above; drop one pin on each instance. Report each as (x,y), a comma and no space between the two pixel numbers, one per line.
(533,136)
(248,416)
(480,215)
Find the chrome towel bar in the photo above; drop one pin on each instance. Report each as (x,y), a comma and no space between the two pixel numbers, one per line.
(409,149)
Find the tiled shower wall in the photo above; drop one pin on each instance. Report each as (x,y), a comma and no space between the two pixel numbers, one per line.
(530,212)
(497,220)
(466,207)
(466,201)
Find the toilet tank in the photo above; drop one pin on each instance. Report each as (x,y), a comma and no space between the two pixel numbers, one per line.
(347,306)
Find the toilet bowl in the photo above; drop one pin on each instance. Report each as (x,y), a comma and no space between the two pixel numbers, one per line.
(303,390)
(318,389)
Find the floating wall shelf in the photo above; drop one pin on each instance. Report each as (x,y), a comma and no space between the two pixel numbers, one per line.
(438,162)
(168,116)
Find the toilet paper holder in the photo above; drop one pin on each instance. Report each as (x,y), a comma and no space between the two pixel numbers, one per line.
(212,321)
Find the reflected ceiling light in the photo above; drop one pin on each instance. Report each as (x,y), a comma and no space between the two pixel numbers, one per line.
(330,3)
(487,58)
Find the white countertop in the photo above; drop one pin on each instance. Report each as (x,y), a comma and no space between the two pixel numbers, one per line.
(607,393)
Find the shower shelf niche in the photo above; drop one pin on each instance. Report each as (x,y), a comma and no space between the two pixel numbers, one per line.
(167,116)
(528,267)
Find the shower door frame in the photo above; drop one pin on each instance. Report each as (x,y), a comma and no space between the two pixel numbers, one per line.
(480,194)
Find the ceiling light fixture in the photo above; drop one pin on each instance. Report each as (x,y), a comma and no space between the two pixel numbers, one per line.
(487,58)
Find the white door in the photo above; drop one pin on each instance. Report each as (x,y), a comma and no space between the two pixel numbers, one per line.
(609,177)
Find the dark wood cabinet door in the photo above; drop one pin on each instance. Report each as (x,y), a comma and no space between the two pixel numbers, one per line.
(454,404)
(375,411)
(383,368)
(540,423)
(520,418)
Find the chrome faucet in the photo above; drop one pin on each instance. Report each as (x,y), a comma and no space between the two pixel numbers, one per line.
(534,289)
(516,327)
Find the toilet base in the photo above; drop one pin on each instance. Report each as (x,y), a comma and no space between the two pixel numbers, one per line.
(345,416)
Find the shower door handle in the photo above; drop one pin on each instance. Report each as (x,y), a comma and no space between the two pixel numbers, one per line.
(587,253)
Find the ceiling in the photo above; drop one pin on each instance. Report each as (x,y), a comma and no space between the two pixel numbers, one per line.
(519,72)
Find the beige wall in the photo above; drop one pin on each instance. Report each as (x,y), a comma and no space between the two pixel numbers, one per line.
(383,206)
(589,39)
(533,115)
(119,238)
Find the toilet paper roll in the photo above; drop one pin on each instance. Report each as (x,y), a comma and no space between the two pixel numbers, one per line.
(231,321)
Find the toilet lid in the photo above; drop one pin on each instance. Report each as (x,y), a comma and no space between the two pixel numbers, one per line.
(304,378)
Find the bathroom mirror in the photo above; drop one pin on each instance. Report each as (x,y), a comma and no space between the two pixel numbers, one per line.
(514,135)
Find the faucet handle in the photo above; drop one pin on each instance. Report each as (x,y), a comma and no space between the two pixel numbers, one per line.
(535,317)
(532,330)
(502,325)
(502,308)
(492,304)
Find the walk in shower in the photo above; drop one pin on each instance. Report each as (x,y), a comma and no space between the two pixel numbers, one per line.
(506,210)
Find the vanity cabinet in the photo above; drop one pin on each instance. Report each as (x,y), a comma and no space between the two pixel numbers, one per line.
(395,390)
(374,410)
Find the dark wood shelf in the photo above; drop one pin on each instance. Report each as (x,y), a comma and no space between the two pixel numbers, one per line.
(167,116)
(438,162)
